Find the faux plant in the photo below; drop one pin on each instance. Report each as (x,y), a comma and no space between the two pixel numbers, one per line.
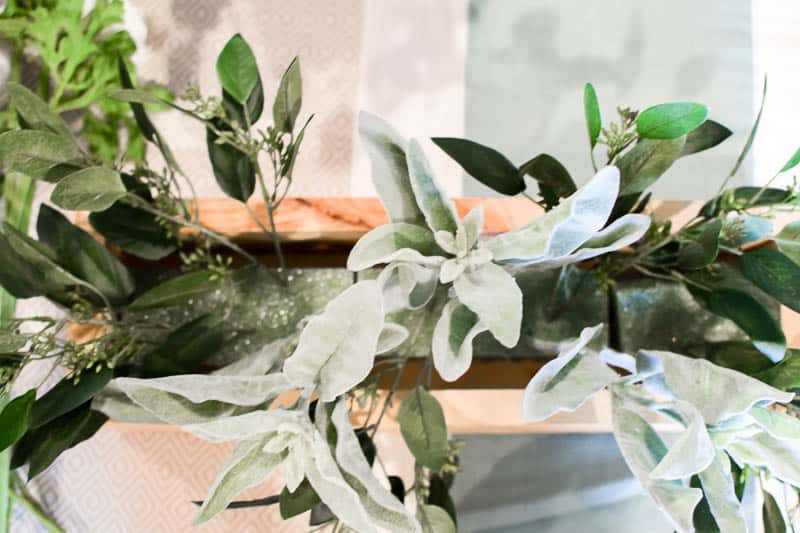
(307,402)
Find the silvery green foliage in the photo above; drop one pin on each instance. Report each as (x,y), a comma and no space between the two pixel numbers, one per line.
(724,415)
(426,244)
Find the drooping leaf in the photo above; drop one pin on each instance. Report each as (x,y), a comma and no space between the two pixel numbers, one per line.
(178,290)
(423,428)
(139,114)
(568,381)
(33,112)
(754,319)
(387,152)
(552,177)
(483,163)
(394,242)
(391,336)
(186,347)
(773,518)
(779,425)
(289,98)
(707,135)
(786,374)
(237,69)
(407,285)
(718,488)
(792,162)
(14,418)
(82,255)
(299,501)
(134,230)
(452,340)
(788,241)
(691,452)
(38,153)
(591,111)
(780,457)
(670,121)
(439,211)
(700,249)
(232,168)
(248,465)
(17,276)
(564,229)
(644,164)
(494,296)
(336,349)
(774,273)
(89,189)
(67,395)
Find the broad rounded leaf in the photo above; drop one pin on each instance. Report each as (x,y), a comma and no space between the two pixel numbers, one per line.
(701,250)
(438,209)
(485,164)
(337,348)
(591,111)
(394,242)
(90,189)
(670,121)
(494,296)
(452,340)
(237,69)
(423,428)
(232,168)
(643,164)
(34,112)
(14,418)
(38,154)
(788,241)
(553,178)
(753,318)
(134,230)
(774,273)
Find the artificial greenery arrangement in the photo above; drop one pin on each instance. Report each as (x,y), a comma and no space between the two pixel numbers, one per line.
(195,348)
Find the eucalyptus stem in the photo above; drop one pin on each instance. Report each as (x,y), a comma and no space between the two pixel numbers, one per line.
(24,498)
(5,483)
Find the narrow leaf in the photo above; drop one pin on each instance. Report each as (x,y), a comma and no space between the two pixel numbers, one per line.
(186,347)
(178,290)
(289,98)
(14,418)
(423,428)
(707,135)
(591,111)
(67,395)
(485,164)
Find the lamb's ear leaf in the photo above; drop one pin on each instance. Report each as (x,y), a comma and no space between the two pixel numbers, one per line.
(289,98)
(248,391)
(439,211)
(494,296)
(483,163)
(565,228)
(392,335)
(423,428)
(387,152)
(336,349)
(707,135)
(642,449)
(568,381)
(691,452)
(780,457)
(779,425)
(718,487)
(248,465)
(394,242)
(452,340)
(407,286)
(682,372)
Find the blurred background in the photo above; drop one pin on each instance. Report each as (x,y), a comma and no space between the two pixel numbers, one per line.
(509,74)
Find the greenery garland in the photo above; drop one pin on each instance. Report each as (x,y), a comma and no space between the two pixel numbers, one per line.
(738,427)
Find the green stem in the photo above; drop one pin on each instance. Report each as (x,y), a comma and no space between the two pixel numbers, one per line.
(5,482)
(25,499)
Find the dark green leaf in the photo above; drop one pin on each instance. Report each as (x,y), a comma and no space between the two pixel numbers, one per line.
(701,249)
(738,355)
(773,519)
(136,96)
(367,446)
(591,110)
(134,230)
(68,395)
(788,241)
(752,135)
(741,196)
(398,488)
(232,168)
(186,347)
(423,428)
(178,290)
(485,164)
(301,500)
(14,418)
(553,178)
(707,135)
(17,276)
(237,69)
(439,495)
(83,256)
(670,121)
(36,153)
(288,165)
(753,318)
(247,504)
(786,374)
(289,98)
(774,273)
(90,189)
(142,120)
(320,514)
(792,162)
(34,113)
(61,434)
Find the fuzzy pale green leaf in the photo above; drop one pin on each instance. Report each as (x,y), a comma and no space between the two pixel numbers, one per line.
(394,242)
(438,209)
(494,296)
(452,340)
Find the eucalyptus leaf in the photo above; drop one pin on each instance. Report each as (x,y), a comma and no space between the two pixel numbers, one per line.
(452,340)
(753,130)
(232,168)
(753,318)
(186,347)
(438,209)
(289,98)
(394,242)
(483,163)
(552,177)
(701,249)
(34,112)
(89,189)
(774,273)
(247,466)
(134,230)
(718,489)
(591,111)
(83,256)
(568,381)
(137,96)
(14,418)
(17,276)
(423,428)
(434,519)
(237,69)
(178,290)
(139,114)
(707,135)
(643,164)
(494,296)
(337,348)
(387,152)
(67,395)
(37,153)
(792,162)
(786,374)
(670,121)
(788,241)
